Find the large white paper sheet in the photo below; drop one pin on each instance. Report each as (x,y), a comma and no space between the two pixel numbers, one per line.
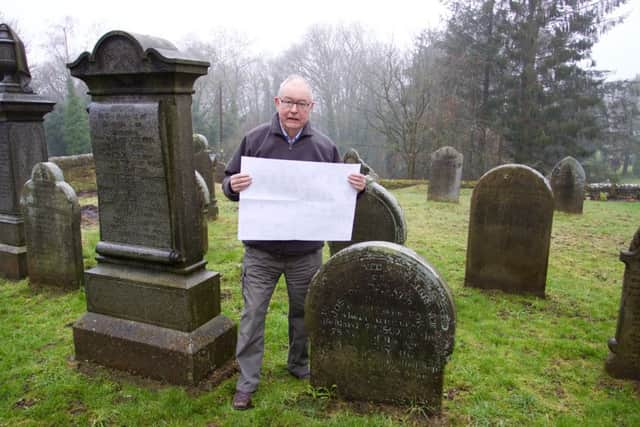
(296,200)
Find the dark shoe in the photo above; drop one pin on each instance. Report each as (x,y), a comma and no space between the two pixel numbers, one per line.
(241,400)
(302,374)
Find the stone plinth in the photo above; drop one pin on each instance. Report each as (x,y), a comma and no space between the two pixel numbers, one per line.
(52,229)
(378,216)
(624,358)
(445,175)
(381,323)
(153,308)
(510,231)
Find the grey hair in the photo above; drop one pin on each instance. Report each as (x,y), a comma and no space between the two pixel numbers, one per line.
(296,78)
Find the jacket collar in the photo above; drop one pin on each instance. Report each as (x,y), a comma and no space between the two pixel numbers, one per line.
(307,130)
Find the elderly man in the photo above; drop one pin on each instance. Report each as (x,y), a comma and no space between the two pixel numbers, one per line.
(288,136)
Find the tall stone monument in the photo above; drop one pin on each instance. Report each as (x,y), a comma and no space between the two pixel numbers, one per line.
(51,215)
(624,358)
(378,216)
(205,163)
(445,175)
(510,231)
(381,323)
(152,307)
(568,182)
(22,145)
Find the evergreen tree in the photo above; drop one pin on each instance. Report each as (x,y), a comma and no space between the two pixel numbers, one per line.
(53,130)
(76,123)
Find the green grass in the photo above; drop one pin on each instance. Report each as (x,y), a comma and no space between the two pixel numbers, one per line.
(517,360)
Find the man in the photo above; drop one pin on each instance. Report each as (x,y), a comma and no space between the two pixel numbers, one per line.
(289,136)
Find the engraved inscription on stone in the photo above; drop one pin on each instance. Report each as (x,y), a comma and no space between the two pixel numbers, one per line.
(130,171)
(378,216)
(624,358)
(568,182)
(52,228)
(510,231)
(381,324)
(6,177)
(445,176)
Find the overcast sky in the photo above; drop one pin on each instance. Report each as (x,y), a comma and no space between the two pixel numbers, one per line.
(270,27)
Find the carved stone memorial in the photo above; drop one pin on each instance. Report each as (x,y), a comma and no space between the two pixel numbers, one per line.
(445,175)
(51,215)
(624,358)
(152,307)
(352,156)
(22,145)
(378,216)
(568,183)
(381,323)
(510,231)
(205,163)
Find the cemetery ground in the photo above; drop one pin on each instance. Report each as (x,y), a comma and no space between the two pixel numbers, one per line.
(517,360)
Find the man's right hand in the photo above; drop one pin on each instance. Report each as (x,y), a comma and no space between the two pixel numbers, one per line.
(239,182)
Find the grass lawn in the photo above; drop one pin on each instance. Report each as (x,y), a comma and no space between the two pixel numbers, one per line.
(517,360)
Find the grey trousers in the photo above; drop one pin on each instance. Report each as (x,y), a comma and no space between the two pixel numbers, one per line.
(260,273)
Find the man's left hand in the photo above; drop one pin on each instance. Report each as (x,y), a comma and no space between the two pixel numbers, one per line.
(357,181)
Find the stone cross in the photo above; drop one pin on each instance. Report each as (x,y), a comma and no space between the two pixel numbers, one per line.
(52,229)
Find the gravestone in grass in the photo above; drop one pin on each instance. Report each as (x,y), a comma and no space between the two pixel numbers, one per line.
(445,175)
(152,307)
(352,156)
(568,182)
(624,358)
(22,145)
(381,324)
(51,215)
(378,216)
(510,231)
(205,163)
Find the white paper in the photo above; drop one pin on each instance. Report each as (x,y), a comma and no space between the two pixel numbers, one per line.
(296,200)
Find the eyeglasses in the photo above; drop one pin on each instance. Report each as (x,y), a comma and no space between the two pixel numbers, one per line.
(288,104)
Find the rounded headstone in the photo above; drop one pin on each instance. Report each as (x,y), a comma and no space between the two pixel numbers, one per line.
(378,216)
(445,176)
(381,322)
(510,231)
(568,182)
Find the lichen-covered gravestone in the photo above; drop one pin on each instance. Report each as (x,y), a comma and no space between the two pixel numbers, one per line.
(205,163)
(445,175)
(51,215)
(381,324)
(510,231)
(152,307)
(22,145)
(378,216)
(352,156)
(624,359)
(568,182)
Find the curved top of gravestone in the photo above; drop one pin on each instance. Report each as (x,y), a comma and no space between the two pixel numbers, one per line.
(446,152)
(47,172)
(121,52)
(635,242)
(199,143)
(572,165)
(514,173)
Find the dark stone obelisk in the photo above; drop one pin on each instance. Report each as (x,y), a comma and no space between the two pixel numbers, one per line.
(153,308)
(22,145)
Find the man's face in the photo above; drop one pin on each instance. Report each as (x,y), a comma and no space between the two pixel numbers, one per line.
(291,107)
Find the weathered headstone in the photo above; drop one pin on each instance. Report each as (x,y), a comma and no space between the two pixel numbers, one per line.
(205,163)
(152,306)
(204,201)
(51,215)
(22,145)
(445,175)
(510,231)
(568,183)
(624,358)
(378,216)
(381,323)
(352,156)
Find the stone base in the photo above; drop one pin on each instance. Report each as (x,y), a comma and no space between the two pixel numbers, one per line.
(618,367)
(183,358)
(13,261)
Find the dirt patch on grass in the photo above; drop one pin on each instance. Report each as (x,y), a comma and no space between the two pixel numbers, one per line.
(89,215)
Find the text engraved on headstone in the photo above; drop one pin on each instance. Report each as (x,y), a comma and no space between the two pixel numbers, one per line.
(130,169)
(6,179)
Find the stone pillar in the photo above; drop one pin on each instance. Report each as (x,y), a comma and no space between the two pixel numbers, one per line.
(22,145)
(153,308)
